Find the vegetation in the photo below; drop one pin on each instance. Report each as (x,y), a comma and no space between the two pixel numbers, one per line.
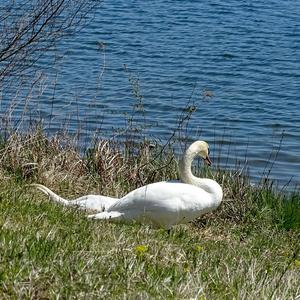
(248,249)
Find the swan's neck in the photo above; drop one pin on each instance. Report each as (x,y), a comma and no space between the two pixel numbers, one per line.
(186,176)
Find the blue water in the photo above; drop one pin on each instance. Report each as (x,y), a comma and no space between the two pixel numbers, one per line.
(245,53)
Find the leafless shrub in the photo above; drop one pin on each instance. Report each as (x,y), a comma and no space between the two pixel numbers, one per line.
(29,28)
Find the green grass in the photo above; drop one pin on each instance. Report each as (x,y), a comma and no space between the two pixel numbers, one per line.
(247,249)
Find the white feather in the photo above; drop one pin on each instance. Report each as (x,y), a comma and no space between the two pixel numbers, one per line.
(93,202)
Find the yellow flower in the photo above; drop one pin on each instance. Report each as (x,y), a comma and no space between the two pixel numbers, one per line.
(140,249)
(198,248)
(297,262)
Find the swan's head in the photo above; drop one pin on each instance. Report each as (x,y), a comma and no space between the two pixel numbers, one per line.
(201,148)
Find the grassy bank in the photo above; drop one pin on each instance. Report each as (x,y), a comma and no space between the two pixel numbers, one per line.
(248,249)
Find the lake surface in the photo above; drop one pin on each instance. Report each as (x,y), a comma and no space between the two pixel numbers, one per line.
(237,61)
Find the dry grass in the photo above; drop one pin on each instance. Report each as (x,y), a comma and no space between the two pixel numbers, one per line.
(106,167)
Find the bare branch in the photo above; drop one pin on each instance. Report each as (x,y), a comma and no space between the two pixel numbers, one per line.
(29,28)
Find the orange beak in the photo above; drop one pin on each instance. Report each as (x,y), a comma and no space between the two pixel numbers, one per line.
(207,160)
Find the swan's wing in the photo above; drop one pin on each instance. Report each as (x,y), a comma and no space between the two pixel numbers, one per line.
(172,195)
(94,202)
(164,203)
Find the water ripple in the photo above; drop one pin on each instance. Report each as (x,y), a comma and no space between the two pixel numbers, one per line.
(247,53)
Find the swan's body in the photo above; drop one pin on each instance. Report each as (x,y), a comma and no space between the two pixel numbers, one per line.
(162,204)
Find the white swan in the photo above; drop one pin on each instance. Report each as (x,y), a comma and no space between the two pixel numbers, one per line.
(165,204)
(162,204)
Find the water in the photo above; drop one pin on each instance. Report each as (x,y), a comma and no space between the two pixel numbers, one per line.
(247,53)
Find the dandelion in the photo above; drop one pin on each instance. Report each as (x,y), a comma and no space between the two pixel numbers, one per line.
(140,249)
(198,248)
(297,262)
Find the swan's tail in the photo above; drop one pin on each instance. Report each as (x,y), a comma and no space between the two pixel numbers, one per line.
(93,202)
(51,194)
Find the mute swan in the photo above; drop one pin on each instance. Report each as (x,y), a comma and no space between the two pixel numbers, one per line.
(162,204)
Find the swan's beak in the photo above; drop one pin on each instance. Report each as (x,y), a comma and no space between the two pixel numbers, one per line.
(207,160)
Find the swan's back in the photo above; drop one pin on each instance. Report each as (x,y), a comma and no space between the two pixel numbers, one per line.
(165,203)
